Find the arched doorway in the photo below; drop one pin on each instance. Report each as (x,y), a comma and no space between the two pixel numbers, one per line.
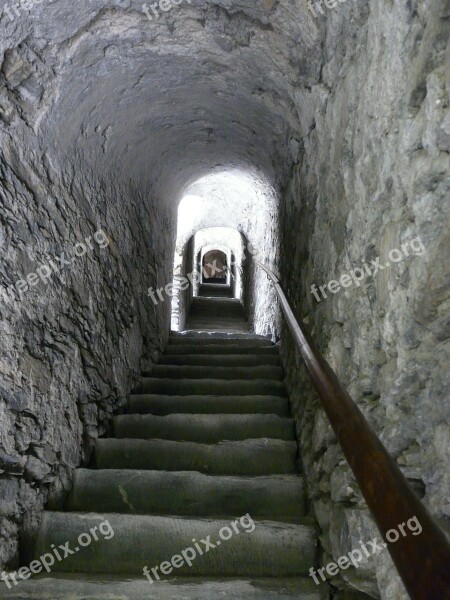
(214,267)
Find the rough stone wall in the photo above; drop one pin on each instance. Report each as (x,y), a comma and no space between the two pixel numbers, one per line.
(71,346)
(373,172)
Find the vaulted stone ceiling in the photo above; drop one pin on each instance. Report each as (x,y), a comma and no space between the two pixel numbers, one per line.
(205,85)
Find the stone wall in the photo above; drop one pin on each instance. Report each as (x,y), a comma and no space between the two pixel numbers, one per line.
(72,344)
(372,174)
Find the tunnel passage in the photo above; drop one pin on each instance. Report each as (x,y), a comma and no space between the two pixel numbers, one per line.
(216,272)
(214,267)
(324,138)
(201,228)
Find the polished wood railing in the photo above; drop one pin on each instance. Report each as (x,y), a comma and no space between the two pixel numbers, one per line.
(423,561)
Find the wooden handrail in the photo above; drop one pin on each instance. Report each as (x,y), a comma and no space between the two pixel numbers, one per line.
(423,561)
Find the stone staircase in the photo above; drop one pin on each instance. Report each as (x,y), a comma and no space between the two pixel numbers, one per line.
(215,290)
(217,314)
(207,439)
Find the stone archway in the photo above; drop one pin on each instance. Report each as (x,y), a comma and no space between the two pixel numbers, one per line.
(215,267)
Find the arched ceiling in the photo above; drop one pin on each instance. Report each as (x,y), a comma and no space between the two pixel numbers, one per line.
(207,86)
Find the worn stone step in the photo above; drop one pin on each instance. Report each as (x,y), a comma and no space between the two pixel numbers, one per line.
(158,404)
(215,301)
(218,360)
(62,586)
(243,341)
(222,312)
(249,457)
(209,316)
(216,372)
(226,336)
(192,348)
(261,548)
(204,428)
(215,309)
(208,291)
(202,302)
(183,387)
(122,587)
(215,328)
(279,497)
(200,322)
(217,325)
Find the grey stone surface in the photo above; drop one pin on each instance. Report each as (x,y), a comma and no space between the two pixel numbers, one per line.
(125,588)
(279,497)
(191,348)
(209,428)
(158,404)
(210,386)
(214,360)
(218,372)
(249,457)
(68,359)
(272,549)
(373,174)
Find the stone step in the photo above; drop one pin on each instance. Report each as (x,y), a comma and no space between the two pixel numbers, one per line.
(184,387)
(197,300)
(192,348)
(228,315)
(115,587)
(231,325)
(203,428)
(279,497)
(215,309)
(254,548)
(217,312)
(218,360)
(217,336)
(215,324)
(212,292)
(213,318)
(249,457)
(215,328)
(158,404)
(216,372)
(205,340)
